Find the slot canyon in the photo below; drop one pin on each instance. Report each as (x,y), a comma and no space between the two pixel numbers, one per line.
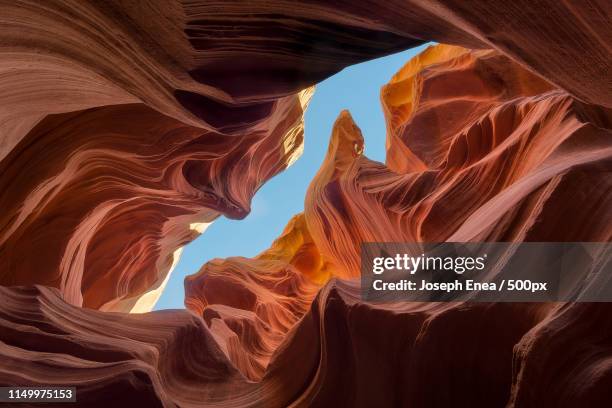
(127,127)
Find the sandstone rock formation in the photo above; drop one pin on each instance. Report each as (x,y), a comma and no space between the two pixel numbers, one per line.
(192,63)
(127,168)
(127,127)
(467,161)
(501,163)
(251,304)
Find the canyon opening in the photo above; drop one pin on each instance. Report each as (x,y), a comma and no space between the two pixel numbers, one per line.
(195,194)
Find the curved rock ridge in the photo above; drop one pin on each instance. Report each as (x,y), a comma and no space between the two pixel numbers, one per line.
(509,172)
(171,358)
(296,247)
(127,127)
(77,180)
(184,60)
(438,92)
(229,69)
(154,359)
(72,74)
(266,43)
(251,304)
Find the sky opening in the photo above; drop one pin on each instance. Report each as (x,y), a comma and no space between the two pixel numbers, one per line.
(356,88)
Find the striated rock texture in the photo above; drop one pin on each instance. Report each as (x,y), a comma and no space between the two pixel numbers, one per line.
(131,170)
(476,162)
(228,71)
(502,162)
(127,127)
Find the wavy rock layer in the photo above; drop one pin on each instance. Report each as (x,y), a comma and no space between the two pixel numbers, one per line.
(477,162)
(251,304)
(500,162)
(225,69)
(127,127)
(127,169)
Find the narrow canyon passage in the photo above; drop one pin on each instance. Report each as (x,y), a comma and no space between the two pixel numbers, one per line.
(252,148)
(356,88)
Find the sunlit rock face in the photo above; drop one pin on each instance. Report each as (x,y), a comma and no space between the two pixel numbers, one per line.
(490,152)
(122,125)
(251,304)
(97,202)
(107,159)
(467,161)
(125,128)
(73,74)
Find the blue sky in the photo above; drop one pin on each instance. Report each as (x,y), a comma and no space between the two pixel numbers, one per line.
(356,88)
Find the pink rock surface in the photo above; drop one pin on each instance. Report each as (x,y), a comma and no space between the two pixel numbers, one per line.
(125,127)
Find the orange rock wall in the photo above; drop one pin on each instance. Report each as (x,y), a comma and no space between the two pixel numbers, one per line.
(520,151)
(127,127)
